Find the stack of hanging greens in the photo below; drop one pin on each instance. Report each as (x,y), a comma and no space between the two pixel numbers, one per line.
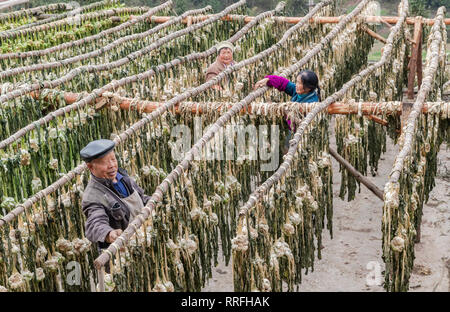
(51,149)
(91,19)
(176,248)
(43,240)
(20,111)
(362,141)
(412,176)
(276,240)
(182,237)
(278,237)
(28,17)
(47,237)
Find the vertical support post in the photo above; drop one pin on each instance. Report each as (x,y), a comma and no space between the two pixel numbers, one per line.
(413,61)
(101,279)
(419,61)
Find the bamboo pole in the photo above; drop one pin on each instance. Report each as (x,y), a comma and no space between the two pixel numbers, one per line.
(85,69)
(102,34)
(391,20)
(358,176)
(104,49)
(135,127)
(184,165)
(258,194)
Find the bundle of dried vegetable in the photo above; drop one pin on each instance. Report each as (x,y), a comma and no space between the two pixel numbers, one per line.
(253,268)
(362,141)
(412,176)
(219,188)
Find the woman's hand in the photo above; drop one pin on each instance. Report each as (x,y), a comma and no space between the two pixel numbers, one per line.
(261,83)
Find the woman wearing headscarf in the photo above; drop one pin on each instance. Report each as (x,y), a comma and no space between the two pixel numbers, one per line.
(223,60)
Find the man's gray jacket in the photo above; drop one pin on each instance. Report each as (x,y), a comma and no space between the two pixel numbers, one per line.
(104,209)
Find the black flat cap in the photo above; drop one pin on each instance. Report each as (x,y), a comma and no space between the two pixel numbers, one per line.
(96,149)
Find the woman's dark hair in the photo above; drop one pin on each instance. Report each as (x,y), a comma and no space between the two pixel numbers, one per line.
(310,81)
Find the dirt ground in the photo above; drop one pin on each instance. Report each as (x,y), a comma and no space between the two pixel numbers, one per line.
(357,239)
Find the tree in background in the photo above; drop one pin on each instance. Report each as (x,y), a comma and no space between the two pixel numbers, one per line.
(417,7)
(426,8)
(296,7)
(435,4)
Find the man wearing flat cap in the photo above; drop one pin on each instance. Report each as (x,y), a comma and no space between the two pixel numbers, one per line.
(111,199)
(223,60)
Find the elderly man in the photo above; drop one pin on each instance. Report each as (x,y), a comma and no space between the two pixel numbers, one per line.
(111,199)
(223,60)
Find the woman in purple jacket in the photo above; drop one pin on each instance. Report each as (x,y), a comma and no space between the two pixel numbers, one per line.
(303,91)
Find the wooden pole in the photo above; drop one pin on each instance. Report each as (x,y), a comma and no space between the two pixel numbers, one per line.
(385,23)
(413,61)
(391,20)
(358,176)
(378,120)
(419,61)
(374,34)
(337,108)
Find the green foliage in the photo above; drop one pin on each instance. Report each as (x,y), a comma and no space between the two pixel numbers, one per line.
(426,8)
(417,7)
